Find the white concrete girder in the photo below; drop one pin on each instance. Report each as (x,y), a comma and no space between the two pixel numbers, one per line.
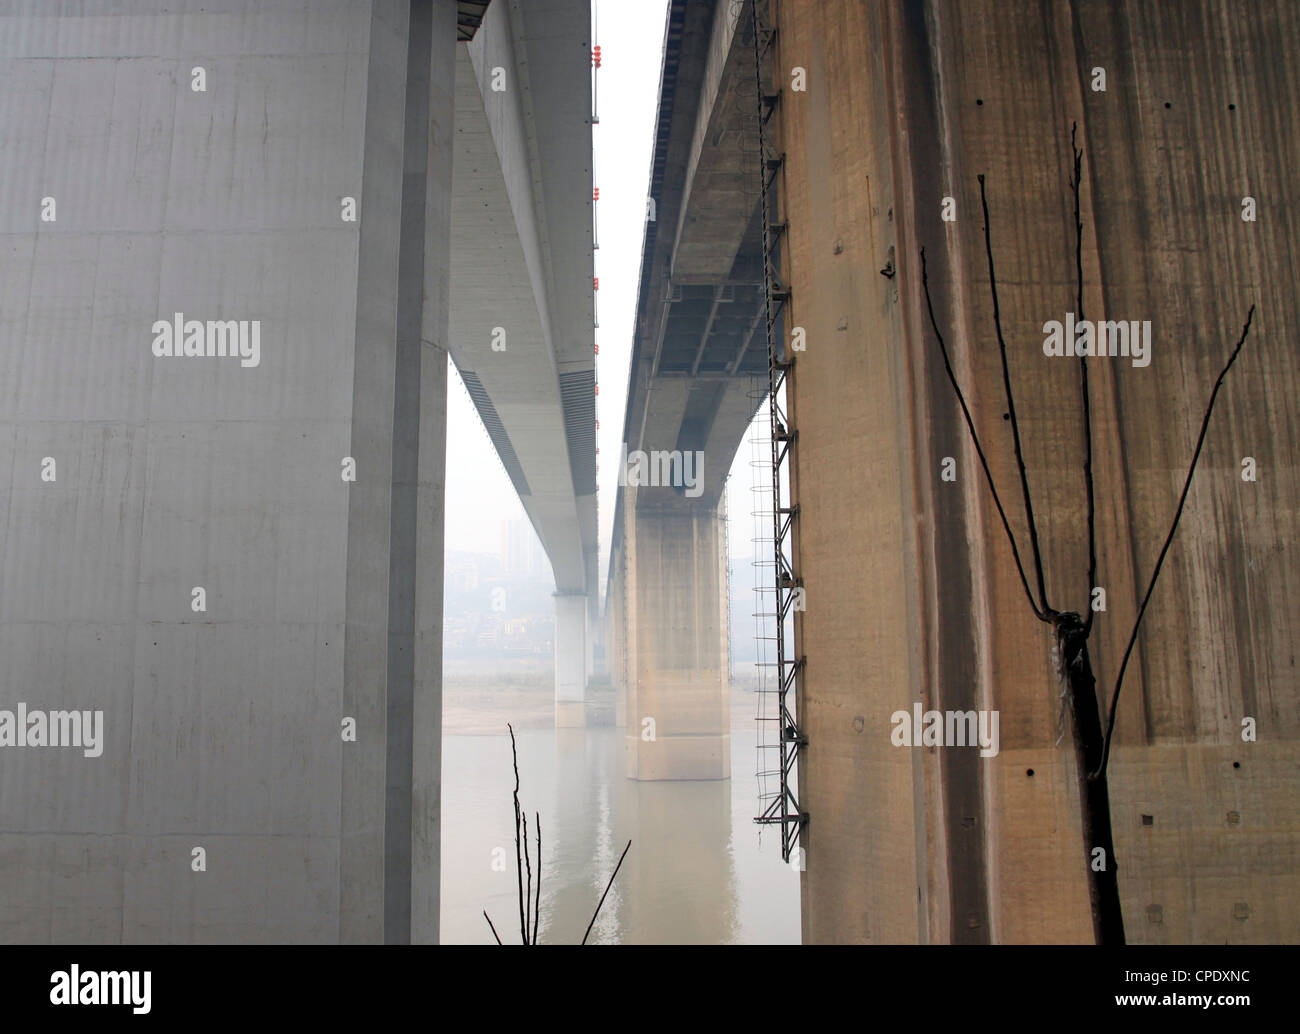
(521,280)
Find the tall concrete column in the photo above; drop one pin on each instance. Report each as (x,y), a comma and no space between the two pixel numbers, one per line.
(571,651)
(414,728)
(238,565)
(591,635)
(677,712)
(616,640)
(389,869)
(911,589)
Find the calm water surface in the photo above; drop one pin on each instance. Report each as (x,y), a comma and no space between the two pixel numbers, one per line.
(699,871)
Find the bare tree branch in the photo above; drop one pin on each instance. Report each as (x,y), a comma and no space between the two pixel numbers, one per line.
(519,862)
(975,438)
(1187,484)
(1011,409)
(528,894)
(602,897)
(1083,381)
(493,928)
(537,901)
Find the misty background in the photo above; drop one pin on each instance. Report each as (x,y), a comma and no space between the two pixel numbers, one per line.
(700,870)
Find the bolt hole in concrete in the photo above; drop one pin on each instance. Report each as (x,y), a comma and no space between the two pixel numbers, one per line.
(1232,107)
(979,101)
(1236,764)
(1148,820)
(1029,772)
(1168,105)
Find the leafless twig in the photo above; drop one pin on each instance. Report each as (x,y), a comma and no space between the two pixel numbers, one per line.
(528,885)
(1011,409)
(537,901)
(975,438)
(1075,180)
(1182,499)
(519,864)
(530,902)
(602,897)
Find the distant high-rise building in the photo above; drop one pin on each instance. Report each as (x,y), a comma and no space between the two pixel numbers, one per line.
(521,552)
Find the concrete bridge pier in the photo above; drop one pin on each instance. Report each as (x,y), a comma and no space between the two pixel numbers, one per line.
(674,640)
(572,653)
(270,764)
(616,636)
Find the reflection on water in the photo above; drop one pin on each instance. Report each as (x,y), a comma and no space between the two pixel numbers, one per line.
(697,872)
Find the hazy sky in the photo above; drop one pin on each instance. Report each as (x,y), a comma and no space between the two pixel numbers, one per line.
(480,497)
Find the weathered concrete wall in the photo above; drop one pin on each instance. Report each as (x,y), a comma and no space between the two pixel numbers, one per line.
(912,590)
(850,481)
(222,727)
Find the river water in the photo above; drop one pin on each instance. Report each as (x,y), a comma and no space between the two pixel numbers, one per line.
(699,871)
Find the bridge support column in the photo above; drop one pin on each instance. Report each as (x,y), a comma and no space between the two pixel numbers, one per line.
(616,642)
(678,713)
(571,658)
(294,728)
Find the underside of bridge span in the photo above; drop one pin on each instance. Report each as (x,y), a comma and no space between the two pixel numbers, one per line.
(522,312)
(698,375)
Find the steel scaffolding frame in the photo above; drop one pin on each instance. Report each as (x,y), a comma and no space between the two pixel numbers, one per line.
(783,808)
